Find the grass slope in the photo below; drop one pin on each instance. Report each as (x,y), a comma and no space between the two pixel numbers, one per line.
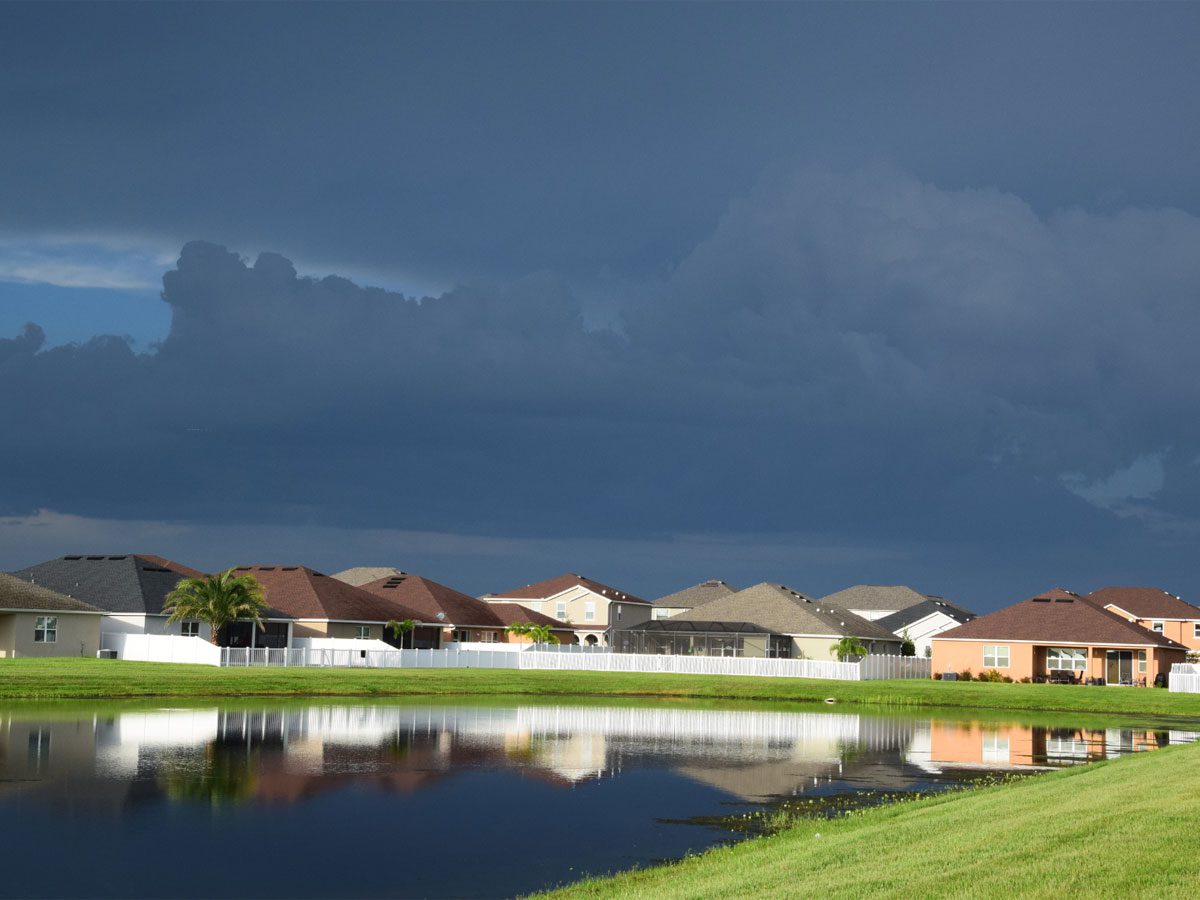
(88,678)
(1121,828)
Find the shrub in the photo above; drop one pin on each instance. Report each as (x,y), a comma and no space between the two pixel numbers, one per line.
(1026,680)
(964,675)
(937,676)
(993,676)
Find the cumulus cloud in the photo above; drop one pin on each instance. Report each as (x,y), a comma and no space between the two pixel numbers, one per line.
(857,355)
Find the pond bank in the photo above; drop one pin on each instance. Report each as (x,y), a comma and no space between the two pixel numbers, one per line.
(1124,828)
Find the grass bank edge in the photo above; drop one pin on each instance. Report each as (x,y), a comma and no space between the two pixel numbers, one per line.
(84,679)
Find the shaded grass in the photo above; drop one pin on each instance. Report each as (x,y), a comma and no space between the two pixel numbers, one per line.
(1119,828)
(108,679)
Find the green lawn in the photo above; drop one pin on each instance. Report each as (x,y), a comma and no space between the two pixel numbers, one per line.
(89,678)
(1123,828)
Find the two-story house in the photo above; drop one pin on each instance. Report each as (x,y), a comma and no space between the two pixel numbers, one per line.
(590,607)
(1154,608)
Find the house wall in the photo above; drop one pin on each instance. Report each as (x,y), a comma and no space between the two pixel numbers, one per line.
(665,612)
(819,647)
(576,600)
(75,631)
(140,623)
(1028,660)
(322,628)
(922,631)
(1183,632)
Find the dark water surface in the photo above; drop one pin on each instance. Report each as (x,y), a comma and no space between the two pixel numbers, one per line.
(365,800)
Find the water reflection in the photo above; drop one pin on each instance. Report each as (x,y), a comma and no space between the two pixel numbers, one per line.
(599,786)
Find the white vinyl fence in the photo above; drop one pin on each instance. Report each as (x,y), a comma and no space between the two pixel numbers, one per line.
(872,668)
(161,648)
(1185,679)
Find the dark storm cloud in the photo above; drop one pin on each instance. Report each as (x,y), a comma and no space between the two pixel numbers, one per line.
(861,355)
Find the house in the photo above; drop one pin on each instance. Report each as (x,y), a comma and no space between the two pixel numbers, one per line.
(1155,609)
(1057,635)
(690,598)
(922,621)
(130,589)
(516,614)
(591,608)
(308,604)
(770,620)
(35,621)
(462,618)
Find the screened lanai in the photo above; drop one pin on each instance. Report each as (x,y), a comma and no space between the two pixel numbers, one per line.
(692,638)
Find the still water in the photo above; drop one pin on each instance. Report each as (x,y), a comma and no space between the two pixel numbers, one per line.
(362,800)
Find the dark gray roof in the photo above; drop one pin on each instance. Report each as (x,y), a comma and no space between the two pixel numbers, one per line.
(18,594)
(679,625)
(876,597)
(778,608)
(131,583)
(897,621)
(696,595)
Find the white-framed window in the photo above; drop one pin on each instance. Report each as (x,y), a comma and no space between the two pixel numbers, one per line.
(1073,659)
(488,637)
(45,630)
(560,610)
(589,611)
(618,612)
(189,628)
(1141,662)
(661,614)
(362,632)
(1196,629)
(995,656)
(1156,626)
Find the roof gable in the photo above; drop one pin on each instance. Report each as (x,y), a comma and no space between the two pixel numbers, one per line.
(696,595)
(1146,602)
(360,575)
(897,621)
(1058,615)
(876,597)
(552,586)
(778,608)
(16,594)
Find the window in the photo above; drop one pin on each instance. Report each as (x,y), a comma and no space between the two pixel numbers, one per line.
(661,614)
(589,611)
(362,632)
(560,610)
(460,635)
(995,656)
(1196,629)
(1156,626)
(488,637)
(1142,662)
(618,612)
(45,630)
(189,628)
(536,605)
(1073,659)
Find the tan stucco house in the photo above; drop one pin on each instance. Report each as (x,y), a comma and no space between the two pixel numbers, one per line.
(588,606)
(35,621)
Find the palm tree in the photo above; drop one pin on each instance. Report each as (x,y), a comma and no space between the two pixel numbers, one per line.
(399,628)
(217,599)
(539,634)
(847,646)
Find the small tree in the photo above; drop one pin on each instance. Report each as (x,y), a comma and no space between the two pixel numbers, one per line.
(400,628)
(928,651)
(907,647)
(216,599)
(539,634)
(846,647)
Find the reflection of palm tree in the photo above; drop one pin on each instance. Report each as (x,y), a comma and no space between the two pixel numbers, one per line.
(226,775)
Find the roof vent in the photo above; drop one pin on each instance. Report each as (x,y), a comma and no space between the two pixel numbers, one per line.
(266,568)
(72,557)
(1041,599)
(1064,600)
(116,557)
(289,568)
(95,557)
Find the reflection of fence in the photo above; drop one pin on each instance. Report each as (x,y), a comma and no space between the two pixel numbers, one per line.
(160,648)
(1185,678)
(872,668)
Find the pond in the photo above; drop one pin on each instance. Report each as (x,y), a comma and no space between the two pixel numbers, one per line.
(381,799)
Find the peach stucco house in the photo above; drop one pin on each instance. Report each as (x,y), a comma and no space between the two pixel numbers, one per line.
(1155,609)
(1057,635)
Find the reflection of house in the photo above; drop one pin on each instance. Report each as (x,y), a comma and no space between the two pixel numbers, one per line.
(1057,635)
(764,620)
(690,598)
(1155,609)
(129,588)
(899,608)
(310,604)
(35,621)
(462,617)
(590,607)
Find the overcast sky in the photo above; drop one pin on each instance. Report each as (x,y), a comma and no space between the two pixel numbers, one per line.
(816,294)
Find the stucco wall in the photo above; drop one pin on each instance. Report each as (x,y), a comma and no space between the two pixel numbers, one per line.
(1029,660)
(74,630)
(139,623)
(576,600)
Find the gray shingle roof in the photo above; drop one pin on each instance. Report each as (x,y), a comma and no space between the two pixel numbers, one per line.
(360,575)
(696,595)
(123,584)
(876,597)
(18,594)
(897,621)
(778,608)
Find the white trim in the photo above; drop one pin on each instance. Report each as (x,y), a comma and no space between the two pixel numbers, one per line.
(1050,642)
(63,612)
(1142,618)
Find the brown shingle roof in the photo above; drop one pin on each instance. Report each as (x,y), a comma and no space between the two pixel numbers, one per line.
(1145,602)
(17,594)
(1058,616)
(552,586)
(429,598)
(302,593)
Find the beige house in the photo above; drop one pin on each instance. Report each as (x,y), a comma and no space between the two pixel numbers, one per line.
(690,598)
(35,621)
(588,606)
